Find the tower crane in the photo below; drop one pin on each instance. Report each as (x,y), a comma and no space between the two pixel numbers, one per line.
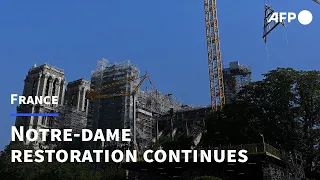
(215,64)
(214,55)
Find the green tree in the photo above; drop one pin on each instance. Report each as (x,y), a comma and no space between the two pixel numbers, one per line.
(271,107)
(308,90)
(14,170)
(45,170)
(284,107)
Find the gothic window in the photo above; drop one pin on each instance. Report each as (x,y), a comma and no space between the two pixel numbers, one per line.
(55,84)
(49,80)
(43,122)
(50,122)
(35,120)
(61,90)
(72,99)
(85,104)
(54,88)
(34,89)
(47,88)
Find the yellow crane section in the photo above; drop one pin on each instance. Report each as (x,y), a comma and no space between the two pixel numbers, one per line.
(93,94)
(214,55)
(96,94)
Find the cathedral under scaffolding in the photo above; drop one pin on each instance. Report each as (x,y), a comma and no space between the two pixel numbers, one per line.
(148,113)
(135,111)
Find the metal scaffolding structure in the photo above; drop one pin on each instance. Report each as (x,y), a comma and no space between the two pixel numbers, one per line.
(151,105)
(136,111)
(236,76)
(117,112)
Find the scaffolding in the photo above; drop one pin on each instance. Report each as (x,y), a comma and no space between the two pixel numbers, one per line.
(137,111)
(151,105)
(236,76)
(156,102)
(186,121)
(117,112)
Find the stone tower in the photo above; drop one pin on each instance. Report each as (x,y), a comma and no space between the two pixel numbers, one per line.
(76,94)
(44,80)
(74,112)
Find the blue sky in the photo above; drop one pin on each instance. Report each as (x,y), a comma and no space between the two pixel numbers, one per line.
(165,38)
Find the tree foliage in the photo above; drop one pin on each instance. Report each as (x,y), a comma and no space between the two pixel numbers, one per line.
(284,107)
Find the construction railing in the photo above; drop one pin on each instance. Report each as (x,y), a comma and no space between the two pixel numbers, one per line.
(252,149)
(255,149)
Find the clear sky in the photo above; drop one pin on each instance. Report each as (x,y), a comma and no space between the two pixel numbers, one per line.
(165,38)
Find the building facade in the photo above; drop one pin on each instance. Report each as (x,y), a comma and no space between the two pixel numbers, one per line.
(44,80)
(73,115)
(122,107)
(72,104)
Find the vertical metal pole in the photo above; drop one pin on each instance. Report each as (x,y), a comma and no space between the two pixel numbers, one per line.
(134,119)
(186,124)
(171,123)
(157,130)
(264,144)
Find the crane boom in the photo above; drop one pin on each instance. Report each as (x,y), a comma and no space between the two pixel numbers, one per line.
(140,83)
(214,55)
(92,94)
(96,93)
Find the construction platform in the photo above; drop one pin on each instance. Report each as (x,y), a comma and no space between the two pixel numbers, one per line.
(264,162)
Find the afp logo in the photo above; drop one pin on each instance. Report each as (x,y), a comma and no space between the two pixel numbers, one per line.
(304,17)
